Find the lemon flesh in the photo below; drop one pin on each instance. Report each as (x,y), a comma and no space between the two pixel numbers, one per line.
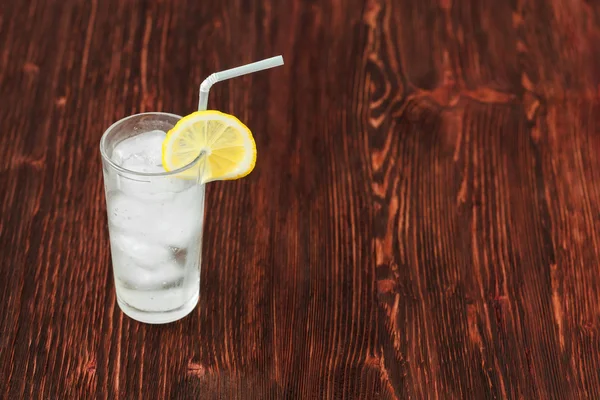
(227,145)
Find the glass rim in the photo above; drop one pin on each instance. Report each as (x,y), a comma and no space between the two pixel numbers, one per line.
(146,174)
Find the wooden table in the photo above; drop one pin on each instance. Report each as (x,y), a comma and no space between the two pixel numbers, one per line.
(423,220)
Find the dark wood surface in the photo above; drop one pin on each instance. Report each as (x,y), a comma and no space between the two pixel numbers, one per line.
(423,221)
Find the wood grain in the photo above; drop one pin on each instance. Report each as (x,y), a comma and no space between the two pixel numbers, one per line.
(421,222)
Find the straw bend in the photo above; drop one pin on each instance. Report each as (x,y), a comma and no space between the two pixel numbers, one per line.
(208,82)
(205,88)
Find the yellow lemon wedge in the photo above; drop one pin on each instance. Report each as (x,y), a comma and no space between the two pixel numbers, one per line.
(228,146)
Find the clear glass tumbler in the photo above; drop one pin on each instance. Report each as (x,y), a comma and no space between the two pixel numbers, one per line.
(155,221)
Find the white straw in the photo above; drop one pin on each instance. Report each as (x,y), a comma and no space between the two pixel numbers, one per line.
(232,73)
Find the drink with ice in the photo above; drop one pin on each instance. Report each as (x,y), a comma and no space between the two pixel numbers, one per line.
(155,166)
(155,221)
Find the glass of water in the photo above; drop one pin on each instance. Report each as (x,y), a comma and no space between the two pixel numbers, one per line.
(155,221)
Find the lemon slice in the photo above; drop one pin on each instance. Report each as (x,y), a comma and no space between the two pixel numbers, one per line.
(228,146)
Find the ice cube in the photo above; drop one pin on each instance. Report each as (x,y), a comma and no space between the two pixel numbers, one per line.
(182,218)
(143,253)
(138,163)
(173,222)
(145,149)
(129,214)
(143,153)
(136,277)
(153,188)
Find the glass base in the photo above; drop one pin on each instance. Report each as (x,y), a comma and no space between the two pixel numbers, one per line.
(159,317)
